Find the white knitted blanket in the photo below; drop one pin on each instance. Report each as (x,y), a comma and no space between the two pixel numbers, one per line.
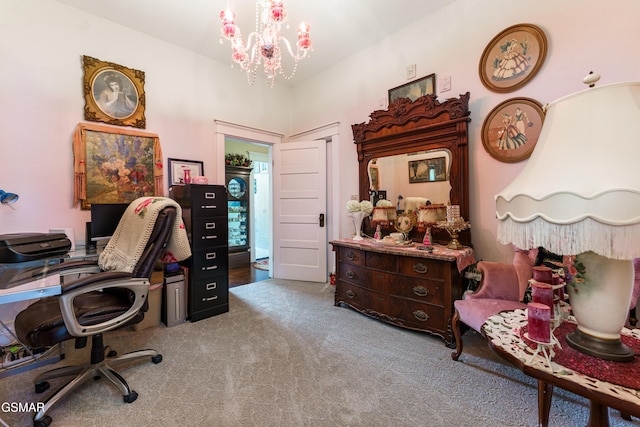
(130,238)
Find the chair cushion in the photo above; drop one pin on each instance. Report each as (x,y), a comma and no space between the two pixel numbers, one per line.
(41,324)
(475,312)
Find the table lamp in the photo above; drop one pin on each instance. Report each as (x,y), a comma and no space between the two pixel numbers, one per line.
(579,194)
(8,198)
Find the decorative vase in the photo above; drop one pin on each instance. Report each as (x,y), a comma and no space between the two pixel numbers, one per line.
(601,306)
(357,218)
(187,176)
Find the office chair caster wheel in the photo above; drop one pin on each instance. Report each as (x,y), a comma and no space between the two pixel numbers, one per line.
(44,422)
(42,387)
(157,359)
(112,353)
(129,398)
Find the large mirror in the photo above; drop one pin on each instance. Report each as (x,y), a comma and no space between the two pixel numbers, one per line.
(414,152)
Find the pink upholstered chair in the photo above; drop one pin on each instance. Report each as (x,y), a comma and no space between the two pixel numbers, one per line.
(502,288)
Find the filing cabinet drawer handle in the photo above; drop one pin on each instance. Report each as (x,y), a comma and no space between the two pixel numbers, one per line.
(421,291)
(419,267)
(211,286)
(421,315)
(350,274)
(211,255)
(209,268)
(210,298)
(350,293)
(208,207)
(210,225)
(209,237)
(351,256)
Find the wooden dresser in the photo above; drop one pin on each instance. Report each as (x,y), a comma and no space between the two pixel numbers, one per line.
(402,286)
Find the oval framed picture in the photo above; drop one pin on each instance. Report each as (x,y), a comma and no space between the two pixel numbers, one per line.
(513,57)
(510,132)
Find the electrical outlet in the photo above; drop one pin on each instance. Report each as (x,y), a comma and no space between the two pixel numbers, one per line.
(354,197)
(411,71)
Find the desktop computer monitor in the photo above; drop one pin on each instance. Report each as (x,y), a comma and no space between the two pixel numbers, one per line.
(105,218)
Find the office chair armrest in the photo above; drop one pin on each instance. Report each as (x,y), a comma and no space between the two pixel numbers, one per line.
(138,286)
(68,268)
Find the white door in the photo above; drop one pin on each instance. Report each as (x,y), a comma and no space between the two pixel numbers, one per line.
(300,193)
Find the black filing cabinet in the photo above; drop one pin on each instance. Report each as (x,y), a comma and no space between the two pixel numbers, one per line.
(204,211)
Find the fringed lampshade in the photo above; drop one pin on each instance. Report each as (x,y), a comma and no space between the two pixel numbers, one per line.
(579,194)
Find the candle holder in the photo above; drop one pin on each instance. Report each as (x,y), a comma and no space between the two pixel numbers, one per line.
(453,228)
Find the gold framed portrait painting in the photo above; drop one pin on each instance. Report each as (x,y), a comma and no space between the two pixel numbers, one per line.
(511,130)
(113,94)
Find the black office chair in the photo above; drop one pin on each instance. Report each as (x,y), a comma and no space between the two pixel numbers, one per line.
(90,306)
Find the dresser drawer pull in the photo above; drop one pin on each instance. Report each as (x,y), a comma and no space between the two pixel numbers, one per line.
(210,298)
(350,293)
(421,291)
(421,315)
(419,267)
(211,286)
(350,274)
(210,225)
(351,256)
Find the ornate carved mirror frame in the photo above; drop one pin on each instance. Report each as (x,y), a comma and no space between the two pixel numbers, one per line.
(414,126)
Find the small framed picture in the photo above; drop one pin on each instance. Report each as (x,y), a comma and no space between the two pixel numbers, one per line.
(511,130)
(183,171)
(427,170)
(113,94)
(513,58)
(415,89)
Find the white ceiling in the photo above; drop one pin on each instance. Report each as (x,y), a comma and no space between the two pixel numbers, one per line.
(339,28)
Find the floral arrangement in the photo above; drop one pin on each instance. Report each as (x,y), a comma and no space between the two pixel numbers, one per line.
(236,159)
(130,177)
(383,203)
(359,206)
(574,271)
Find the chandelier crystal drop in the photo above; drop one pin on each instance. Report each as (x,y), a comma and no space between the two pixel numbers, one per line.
(263,46)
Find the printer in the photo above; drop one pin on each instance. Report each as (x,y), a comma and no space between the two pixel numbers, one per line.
(21,247)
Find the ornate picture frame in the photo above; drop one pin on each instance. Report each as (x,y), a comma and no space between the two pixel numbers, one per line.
(513,58)
(115,165)
(178,166)
(113,94)
(413,90)
(510,131)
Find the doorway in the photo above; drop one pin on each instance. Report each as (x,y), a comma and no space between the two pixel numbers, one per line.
(259,183)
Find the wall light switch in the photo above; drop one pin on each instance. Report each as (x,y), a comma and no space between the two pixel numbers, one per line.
(411,71)
(446,84)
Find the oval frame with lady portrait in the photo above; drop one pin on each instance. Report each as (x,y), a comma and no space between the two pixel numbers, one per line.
(113,94)
(511,130)
(512,58)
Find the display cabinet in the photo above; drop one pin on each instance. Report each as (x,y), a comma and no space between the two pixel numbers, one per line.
(204,212)
(239,209)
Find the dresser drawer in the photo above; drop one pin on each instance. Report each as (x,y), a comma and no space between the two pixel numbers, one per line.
(355,296)
(381,261)
(354,274)
(422,290)
(210,292)
(209,231)
(210,262)
(352,256)
(419,316)
(208,200)
(420,267)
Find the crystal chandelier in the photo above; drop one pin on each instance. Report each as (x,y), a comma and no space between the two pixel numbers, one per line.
(263,46)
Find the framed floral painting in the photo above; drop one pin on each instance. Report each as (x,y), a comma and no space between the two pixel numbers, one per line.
(113,94)
(510,132)
(115,165)
(513,58)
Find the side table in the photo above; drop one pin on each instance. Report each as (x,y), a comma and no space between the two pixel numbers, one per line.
(503,331)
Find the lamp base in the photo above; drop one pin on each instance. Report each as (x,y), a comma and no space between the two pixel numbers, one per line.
(605,349)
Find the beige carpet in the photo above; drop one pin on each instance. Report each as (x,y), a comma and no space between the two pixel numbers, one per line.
(286,356)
